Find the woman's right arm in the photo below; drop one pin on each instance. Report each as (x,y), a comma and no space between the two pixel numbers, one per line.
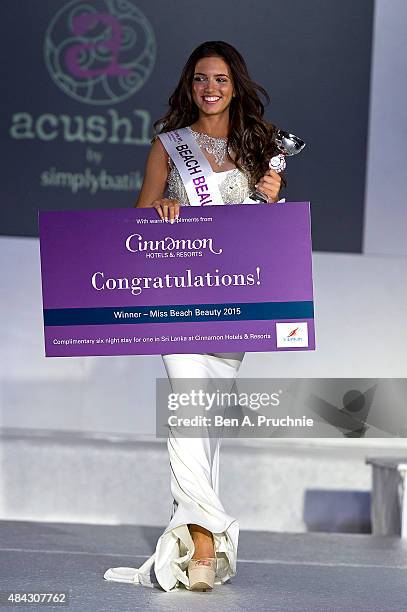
(153,188)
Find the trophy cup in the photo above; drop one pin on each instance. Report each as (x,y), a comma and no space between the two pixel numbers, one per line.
(287,144)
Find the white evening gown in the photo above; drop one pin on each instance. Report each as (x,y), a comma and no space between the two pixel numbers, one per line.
(194,462)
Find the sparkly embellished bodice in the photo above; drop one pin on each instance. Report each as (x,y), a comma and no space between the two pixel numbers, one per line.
(233,184)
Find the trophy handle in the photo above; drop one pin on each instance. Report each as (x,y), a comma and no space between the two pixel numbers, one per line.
(278,163)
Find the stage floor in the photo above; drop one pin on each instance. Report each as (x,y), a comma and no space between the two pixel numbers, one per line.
(276,572)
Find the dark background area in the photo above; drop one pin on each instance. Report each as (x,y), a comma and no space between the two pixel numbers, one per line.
(313,58)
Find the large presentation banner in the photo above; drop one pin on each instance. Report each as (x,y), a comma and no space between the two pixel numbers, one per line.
(219,279)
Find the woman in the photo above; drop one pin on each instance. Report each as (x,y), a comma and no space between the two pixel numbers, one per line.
(218,104)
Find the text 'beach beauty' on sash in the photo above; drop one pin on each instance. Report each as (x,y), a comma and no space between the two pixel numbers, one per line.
(197,175)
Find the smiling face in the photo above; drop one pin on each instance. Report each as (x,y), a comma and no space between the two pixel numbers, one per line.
(212,86)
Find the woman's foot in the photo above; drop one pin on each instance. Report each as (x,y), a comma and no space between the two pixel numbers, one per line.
(202,567)
(201,574)
(203,541)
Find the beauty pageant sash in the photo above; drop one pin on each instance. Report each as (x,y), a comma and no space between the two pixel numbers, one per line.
(196,173)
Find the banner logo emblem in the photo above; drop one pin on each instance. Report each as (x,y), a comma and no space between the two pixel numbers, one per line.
(292,334)
(100,53)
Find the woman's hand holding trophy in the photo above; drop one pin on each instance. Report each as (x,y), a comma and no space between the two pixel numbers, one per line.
(268,187)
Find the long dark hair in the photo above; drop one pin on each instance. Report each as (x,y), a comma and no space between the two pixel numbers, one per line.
(250,136)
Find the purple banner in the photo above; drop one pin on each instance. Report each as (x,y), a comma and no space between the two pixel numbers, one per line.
(220,279)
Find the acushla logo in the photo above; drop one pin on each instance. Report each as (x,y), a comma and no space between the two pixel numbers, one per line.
(100,52)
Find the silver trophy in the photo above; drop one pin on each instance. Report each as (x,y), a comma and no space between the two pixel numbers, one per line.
(287,144)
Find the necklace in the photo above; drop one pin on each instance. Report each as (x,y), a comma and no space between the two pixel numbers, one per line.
(214,146)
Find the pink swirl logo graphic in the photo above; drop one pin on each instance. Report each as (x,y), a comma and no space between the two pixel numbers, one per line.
(100,53)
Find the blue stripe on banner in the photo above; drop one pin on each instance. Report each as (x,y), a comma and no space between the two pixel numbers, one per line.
(186,313)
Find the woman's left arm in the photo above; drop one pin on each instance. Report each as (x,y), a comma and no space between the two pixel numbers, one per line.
(270,184)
